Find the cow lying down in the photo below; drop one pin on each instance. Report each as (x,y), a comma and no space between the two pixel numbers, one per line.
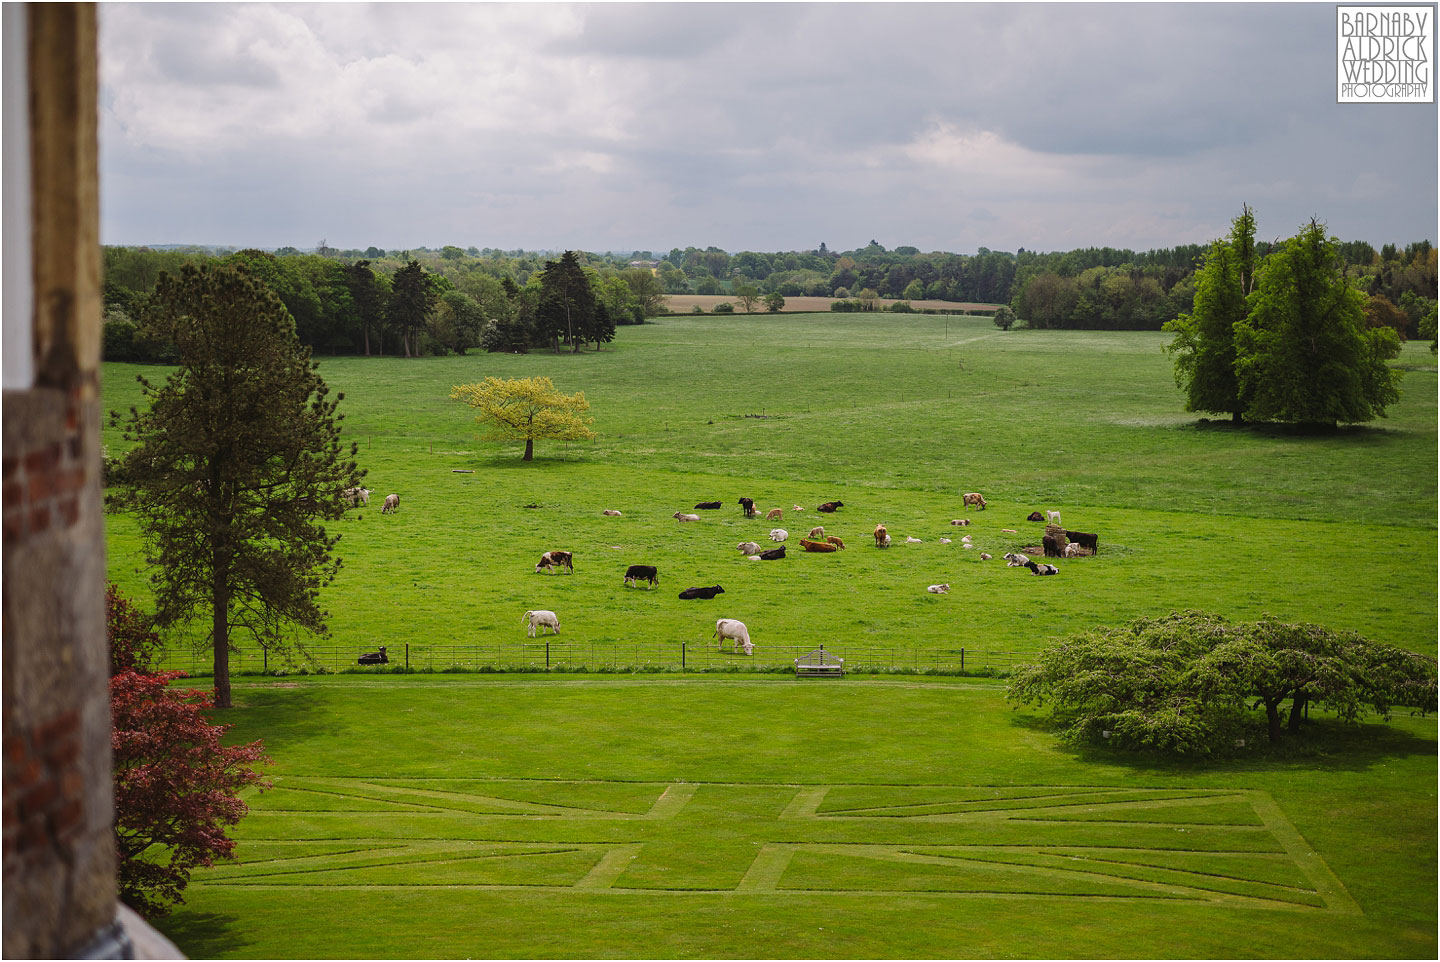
(710,592)
(1039,569)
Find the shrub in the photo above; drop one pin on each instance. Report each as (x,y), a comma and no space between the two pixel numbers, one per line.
(724,307)
(901,307)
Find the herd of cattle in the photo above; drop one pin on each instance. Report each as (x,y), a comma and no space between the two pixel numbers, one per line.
(1057,542)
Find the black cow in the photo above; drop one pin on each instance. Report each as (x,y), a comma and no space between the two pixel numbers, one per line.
(707,505)
(635,573)
(829,506)
(773,553)
(1052,547)
(1035,516)
(1038,569)
(1085,540)
(702,592)
(374,658)
(748,504)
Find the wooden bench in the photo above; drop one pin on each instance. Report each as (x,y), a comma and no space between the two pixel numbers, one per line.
(819,664)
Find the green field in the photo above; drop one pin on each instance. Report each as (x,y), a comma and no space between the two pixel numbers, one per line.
(677,815)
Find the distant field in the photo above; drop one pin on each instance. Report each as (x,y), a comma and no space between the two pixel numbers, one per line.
(685,303)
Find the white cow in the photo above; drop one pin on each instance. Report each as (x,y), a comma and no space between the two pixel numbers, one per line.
(748,547)
(610,513)
(678,516)
(939,589)
(542,619)
(1014,559)
(1071,550)
(392,503)
(779,534)
(909,540)
(356,496)
(945,541)
(736,632)
(1054,516)
(817,532)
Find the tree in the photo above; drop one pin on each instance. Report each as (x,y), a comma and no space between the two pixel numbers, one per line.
(130,632)
(457,322)
(1204,345)
(647,290)
(1004,317)
(527,409)
(238,460)
(176,787)
(775,302)
(412,298)
(747,295)
(1304,355)
(1182,684)
(367,297)
(567,302)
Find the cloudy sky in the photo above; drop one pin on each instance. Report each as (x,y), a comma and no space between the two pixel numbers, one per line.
(747,126)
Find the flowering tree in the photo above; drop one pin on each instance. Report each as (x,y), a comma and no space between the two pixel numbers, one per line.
(175,787)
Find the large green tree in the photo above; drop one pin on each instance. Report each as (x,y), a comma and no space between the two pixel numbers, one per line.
(567,301)
(1204,345)
(1303,354)
(412,298)
(237,461)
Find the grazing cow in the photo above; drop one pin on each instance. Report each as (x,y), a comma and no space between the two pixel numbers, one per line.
(356,496)
(984,556)
(939,589)
(542,619)
(778,534)
(1090,542)
(880,534)
(392,503)
(637,573)
(962,522)
(678,516)
(610,513)
(1013,559)
(712,591)
(1071,550)
(1037,569)
(973,500)
(747,505)
(748,547)
(556,559)
(374,658)
(909,540)
(736,632)
(1034,516)
(1052,547)
(822,546)
(773,554)
(707,506)
(829,506)
(775,514)
(817,532)
(836,542)
(1052,516)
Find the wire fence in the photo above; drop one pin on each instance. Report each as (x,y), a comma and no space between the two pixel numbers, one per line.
(569,656)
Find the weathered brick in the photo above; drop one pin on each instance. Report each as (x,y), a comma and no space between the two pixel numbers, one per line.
(14,491)
(68,512)
(8,466)
(15,750)
(14,526)
(71,480)
(63,754)
(30,773)
(41,485)
(34,835)
(61,727)
(39,798)
(44,459)
(66,817)
(39,518)
(76,447)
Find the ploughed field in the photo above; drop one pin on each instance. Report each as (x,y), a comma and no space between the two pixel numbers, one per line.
(895,416)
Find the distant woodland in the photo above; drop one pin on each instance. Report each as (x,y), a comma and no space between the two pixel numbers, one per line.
(453,299)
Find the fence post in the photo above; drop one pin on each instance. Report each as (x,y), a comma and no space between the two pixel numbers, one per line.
(266,656)
(682,656)
(547,656)
(962,660)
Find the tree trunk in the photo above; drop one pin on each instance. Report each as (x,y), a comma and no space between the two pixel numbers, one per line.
(1297,711)
(220,627)
(1234,417)
(1272,714)
(529,450)
(367,340)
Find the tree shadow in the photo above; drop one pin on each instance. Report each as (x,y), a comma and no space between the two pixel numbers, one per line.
(203,935)
(279,711)
(1358,433)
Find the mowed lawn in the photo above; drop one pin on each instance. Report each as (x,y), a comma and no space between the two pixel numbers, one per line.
(896,416)
(756,817)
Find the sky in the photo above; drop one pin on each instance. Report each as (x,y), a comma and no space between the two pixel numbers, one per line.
(756,126)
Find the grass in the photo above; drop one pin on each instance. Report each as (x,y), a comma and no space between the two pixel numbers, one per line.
(764,817)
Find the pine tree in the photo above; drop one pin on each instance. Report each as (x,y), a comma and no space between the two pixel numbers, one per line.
(412,298)
(238,460)
(567,301)
(1304,355)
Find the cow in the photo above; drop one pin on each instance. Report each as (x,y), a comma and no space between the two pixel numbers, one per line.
(1052,547)
(939,589)
(1071,550)
(1052,516)
(821,546)
(556,559)
(965,538)
(392,503)
(356,496)
(973,499)
(797,507)
(678,516)
(775,514)
(748,547)
(962,522)
(710,592)
(542,619)
(1009,531)
(747,506)
(637,573)
(909,540)
(610,513)
(736,632)
(817,532)
(1034,516)
(945,541)
(829,506)
(374,658)
(1090,542)
(836,542)
(1013,559)
(778,534)
(1038,569)
(880,535)
(774,554)
(707,506)
(984,556)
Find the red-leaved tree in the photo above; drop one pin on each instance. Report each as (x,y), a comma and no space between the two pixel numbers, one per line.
(132,635)
(175,787)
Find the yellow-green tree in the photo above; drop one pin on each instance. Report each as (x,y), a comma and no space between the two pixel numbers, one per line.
(526,409)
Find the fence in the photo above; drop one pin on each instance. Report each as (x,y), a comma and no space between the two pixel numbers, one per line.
(562,656)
